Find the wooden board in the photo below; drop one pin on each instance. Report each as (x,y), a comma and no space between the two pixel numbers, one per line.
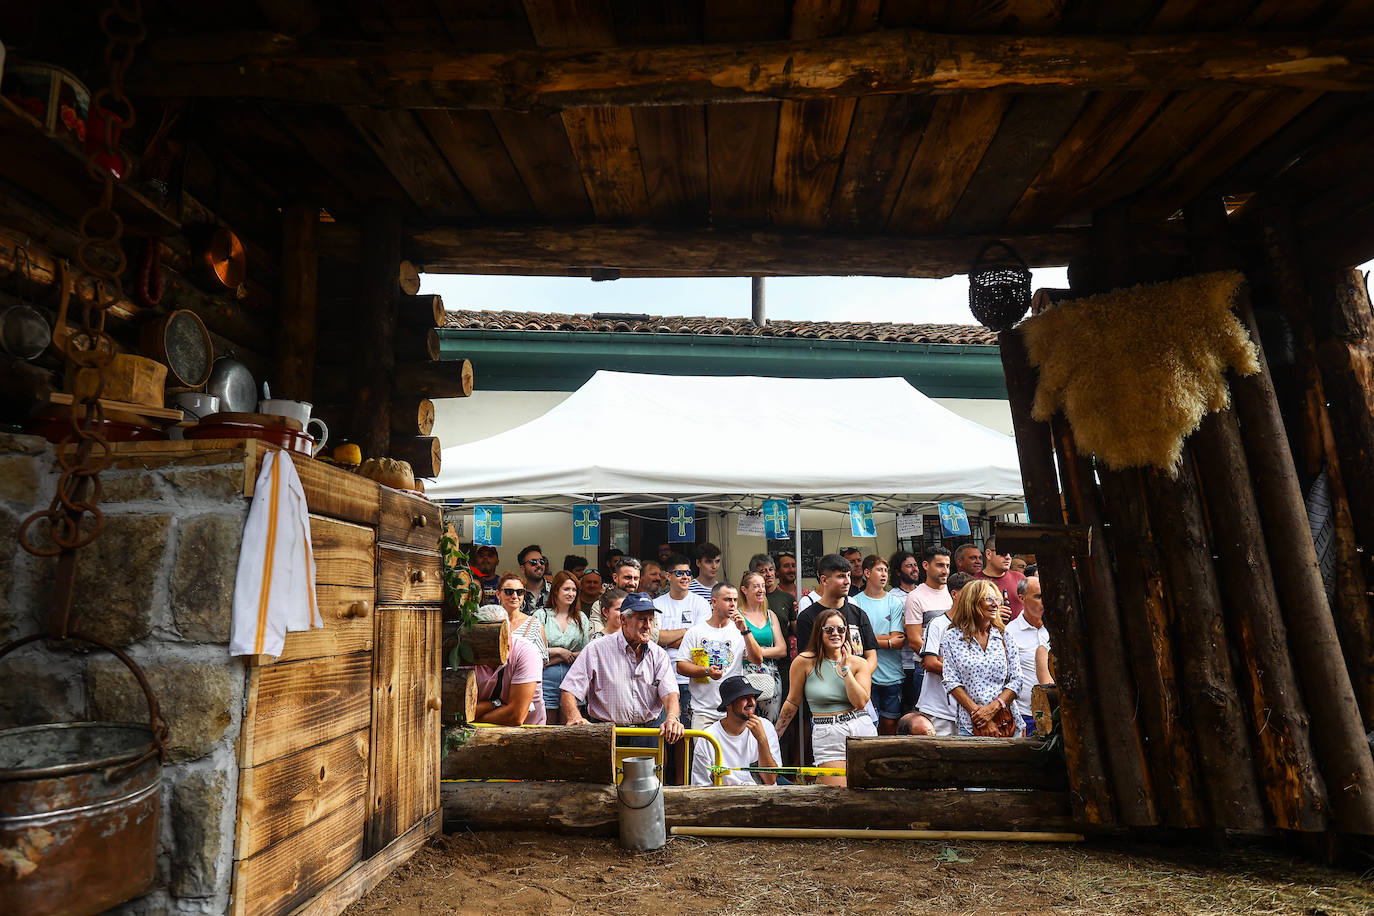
(330,490)
(355,883)
(539,149)
(603,141)
(672,148)
(347,614)
(344,553)
(290,793)
(285,875)
(407,576)
(883,136)
(473,148)
(409,521)
(297,705)
(406,707)
(406,150)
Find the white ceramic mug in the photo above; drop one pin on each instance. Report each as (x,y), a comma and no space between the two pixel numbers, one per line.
(321,438)
(297,410)
(197,405)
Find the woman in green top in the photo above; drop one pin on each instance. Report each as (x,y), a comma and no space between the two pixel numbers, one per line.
(567,632)
(837,684)
(763,623)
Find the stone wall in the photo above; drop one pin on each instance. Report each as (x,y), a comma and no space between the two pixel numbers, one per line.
(159,583)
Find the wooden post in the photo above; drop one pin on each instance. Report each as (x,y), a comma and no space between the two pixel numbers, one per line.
(1113,691)
(1044,701)
(490,642)
(411,417)
(449,378)
(1347,363)
(1091,792)
(946,763)
(582,754)
(423,453)
(1336,729)
(294,357)
(374,345)
(1289,775)
(425,311)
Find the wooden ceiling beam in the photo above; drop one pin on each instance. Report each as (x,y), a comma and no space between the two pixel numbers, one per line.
(709,252)
(273,66)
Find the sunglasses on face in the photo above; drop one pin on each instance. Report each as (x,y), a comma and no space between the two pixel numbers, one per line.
(680,573)
(512,591)
(536,562)
(835,631)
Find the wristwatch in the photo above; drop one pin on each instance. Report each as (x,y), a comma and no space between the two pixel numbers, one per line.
(496,702)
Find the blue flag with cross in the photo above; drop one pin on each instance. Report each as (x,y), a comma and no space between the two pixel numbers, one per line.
(775,519)
(682,522)
(861,519)
(586,524)
(953,519)
(486,525)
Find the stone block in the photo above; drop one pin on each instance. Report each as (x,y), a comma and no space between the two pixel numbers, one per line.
(196,697)
(203,577)
(117,575)
(20,444)
(9,559)
(198,803)
(222,483)
(40,688)
(132,486)
(19,480)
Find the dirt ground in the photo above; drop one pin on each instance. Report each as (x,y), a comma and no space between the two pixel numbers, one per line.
(510,874)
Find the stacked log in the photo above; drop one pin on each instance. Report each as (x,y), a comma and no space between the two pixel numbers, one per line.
(582,754)
(458,697)
(911,762)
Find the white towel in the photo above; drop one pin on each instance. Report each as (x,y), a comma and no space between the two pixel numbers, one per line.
(274,591)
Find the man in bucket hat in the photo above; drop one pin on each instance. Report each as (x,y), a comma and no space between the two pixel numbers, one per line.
(745,739)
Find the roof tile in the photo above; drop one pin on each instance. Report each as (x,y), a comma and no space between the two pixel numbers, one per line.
(494,320)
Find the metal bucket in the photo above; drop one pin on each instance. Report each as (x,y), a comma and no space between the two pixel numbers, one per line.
(79,805)
(640,800)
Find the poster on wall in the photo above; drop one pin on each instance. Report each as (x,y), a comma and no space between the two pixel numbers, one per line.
(750,523)
(910,526)
(486,525)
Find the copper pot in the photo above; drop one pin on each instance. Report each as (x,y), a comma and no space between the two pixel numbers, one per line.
(223,259)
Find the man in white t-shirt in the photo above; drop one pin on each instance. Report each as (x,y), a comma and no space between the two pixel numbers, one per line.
(679,610)
(927,601)
(746,740)
(722,641)
(1032,646)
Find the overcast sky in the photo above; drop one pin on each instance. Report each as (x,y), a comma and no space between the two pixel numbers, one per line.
(793,298)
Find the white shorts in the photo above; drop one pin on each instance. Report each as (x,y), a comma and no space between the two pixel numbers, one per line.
(944,728)
(828,739)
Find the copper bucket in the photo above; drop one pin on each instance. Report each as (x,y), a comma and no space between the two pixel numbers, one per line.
(79,805)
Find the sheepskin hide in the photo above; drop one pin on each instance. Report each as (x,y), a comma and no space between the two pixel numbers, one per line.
(1135,370)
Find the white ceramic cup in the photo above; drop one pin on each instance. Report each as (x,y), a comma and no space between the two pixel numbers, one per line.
(297,410)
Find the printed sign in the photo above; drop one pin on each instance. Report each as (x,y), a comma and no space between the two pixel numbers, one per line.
(910,526)
(486,525)
(861,519)
(953,519)
(586,524)
(750,523)
(682,522)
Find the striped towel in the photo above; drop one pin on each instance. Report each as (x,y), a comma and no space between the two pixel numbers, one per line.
(274,591)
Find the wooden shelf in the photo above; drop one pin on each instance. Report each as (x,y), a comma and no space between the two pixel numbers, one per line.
(55,170)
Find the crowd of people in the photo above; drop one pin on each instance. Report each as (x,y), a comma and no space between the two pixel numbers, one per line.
(949,644)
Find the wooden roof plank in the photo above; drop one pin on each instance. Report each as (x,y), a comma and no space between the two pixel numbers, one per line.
(1030,132)
(485,25)
(740,140)
(335,146)
(604,143)
(961,128)
(883,137)
(539,149)
(1241,129)
(673,151)
(474,150)
(1106,126)
(407,152)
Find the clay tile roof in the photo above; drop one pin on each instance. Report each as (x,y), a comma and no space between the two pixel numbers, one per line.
(878,331)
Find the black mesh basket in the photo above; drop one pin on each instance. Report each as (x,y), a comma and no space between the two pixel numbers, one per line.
(999,288)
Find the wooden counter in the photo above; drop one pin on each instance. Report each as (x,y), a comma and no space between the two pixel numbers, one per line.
(339,748)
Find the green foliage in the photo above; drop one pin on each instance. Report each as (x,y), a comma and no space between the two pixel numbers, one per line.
(462,596)
(454,737)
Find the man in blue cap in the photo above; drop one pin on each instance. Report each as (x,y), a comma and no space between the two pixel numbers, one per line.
(746,740)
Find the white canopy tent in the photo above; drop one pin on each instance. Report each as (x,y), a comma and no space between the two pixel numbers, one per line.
(732,440)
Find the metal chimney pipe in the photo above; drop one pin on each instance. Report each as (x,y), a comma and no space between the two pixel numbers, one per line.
(759,313)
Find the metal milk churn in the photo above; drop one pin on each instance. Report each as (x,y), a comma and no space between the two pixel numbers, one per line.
(640,799)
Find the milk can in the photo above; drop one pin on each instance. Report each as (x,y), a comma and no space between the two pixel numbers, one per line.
(640,797)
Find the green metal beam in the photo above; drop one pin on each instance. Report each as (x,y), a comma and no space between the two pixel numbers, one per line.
(565,360)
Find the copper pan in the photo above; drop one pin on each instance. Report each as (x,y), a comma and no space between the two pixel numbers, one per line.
(221,257)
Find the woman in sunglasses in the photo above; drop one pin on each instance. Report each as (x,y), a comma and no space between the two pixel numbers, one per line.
(510,591)
(567,632)
(982,673)
(836,683)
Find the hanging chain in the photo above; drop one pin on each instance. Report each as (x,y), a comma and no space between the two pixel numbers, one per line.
(90,350)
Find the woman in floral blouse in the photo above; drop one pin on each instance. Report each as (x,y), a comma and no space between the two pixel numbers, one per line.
(981,670)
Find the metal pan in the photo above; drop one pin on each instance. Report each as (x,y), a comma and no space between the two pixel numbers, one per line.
(233,384)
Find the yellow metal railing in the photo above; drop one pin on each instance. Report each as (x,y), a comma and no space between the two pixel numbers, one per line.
(658,753)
